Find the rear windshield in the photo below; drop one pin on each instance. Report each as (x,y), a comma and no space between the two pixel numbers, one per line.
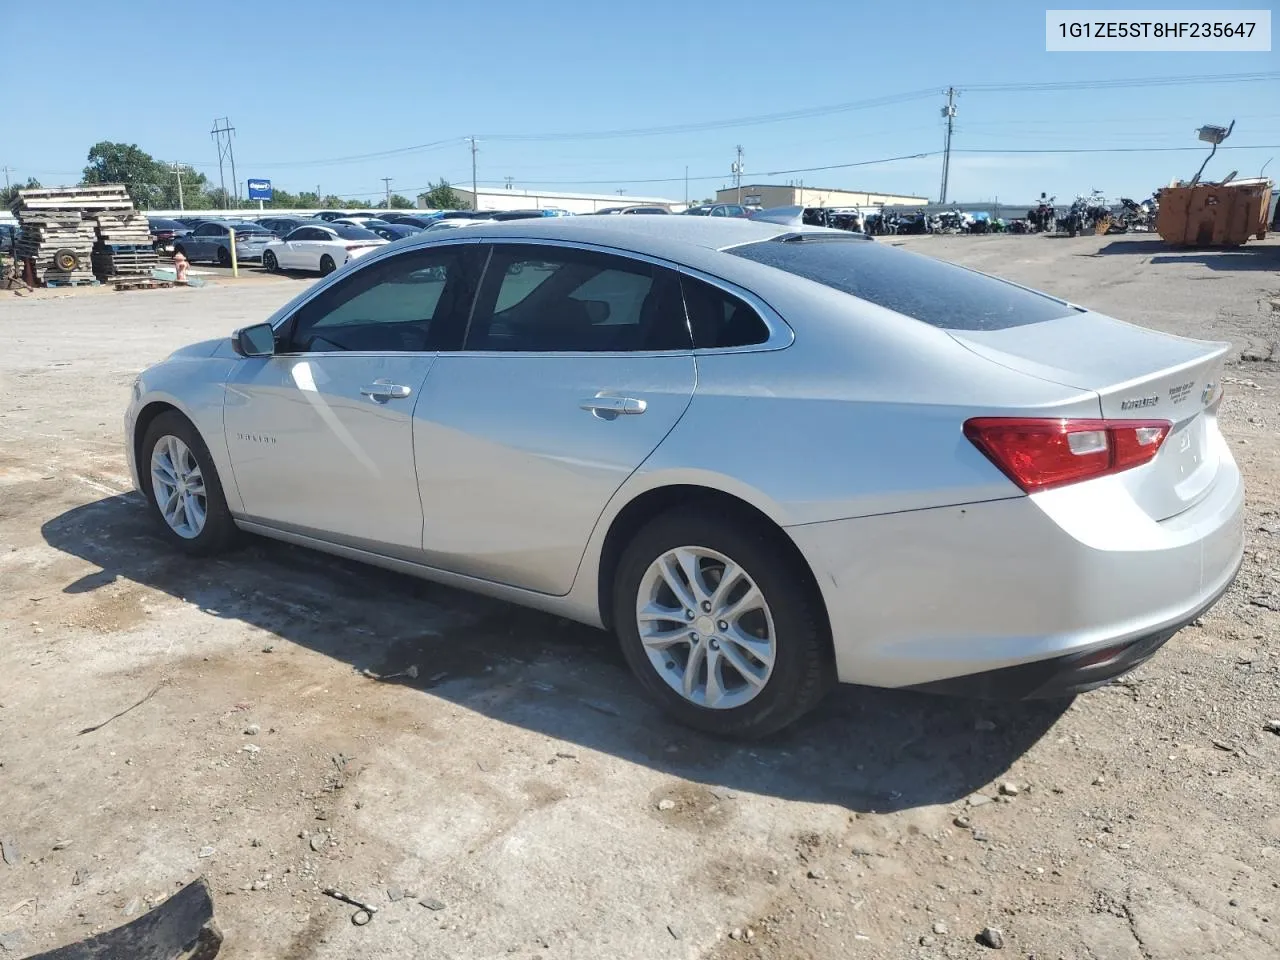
(922,288)
(348,232)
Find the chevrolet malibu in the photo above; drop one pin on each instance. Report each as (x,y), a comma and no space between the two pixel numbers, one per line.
(769,458)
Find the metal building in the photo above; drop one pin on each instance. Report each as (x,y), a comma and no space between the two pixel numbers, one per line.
(796,195)
(500,198)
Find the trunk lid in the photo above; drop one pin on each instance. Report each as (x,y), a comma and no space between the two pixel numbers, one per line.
(1138,374)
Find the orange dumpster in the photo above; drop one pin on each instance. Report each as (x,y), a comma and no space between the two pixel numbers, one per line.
(1214,214)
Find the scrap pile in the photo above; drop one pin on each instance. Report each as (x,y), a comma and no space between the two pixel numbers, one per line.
(69,234)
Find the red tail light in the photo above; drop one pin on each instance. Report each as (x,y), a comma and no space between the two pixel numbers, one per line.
(1037,454)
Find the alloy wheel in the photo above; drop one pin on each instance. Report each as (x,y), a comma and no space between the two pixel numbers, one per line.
(178,487)
(706,627)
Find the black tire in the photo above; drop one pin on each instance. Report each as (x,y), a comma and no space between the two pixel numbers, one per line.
(180,249)
(219,530)
(327,266)
(224,257)
(269,261)
(804,668)
(66,260)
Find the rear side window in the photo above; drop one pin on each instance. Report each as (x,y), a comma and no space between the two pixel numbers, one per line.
(542,298)
(719,319)
(937,293)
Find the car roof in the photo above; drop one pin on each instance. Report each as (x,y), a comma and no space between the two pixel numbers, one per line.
(655,236)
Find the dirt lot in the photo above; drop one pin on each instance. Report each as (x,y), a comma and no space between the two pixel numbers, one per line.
(521,785)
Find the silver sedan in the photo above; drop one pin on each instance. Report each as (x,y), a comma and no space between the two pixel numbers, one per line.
(768,457)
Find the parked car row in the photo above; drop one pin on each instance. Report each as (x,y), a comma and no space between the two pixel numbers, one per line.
(330,238)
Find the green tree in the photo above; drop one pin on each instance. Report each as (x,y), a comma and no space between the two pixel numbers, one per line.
(142,175)
(399,201)
(441,196)
(10,194)
(283,199)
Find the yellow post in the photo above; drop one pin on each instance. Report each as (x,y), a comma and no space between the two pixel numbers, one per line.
(235,268)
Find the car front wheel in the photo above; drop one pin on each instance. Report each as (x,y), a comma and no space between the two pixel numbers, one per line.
(720,624)
(182,486)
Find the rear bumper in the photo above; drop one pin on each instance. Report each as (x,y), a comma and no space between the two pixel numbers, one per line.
(924,597)
(1063,676)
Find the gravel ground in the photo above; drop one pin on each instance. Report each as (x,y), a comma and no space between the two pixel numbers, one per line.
(518,798)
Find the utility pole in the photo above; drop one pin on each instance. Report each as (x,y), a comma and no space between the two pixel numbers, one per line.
(387,181)
(737,172)
(949,111)
(177,169)
(509,180)
(475,191)
(686,185)
(6,179)
(222,138)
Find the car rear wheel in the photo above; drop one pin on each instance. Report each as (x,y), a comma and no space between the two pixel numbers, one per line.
(327,266)
(269,261)
(719,623)
(182,486)
(224,257)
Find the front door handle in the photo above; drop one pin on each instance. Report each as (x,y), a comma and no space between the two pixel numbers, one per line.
(380,391)
(609,408)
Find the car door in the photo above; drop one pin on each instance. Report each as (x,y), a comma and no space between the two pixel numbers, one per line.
(320,435)
(575,365)
(287,255)
(314,246)
(197,244)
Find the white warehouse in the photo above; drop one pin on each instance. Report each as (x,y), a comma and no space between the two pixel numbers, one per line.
(501,198)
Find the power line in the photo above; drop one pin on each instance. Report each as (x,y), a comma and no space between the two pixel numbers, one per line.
(1004,152)
(1122,82)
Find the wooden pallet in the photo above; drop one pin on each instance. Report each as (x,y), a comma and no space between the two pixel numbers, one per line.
(141,283)
(70,281)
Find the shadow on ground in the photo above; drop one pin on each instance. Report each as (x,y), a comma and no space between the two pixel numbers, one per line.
(865,749)
(1248,257)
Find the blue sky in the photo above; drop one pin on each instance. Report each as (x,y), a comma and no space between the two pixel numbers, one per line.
(308,85)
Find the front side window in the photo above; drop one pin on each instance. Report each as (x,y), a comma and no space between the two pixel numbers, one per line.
(537,298)
(208,230)
(412,302)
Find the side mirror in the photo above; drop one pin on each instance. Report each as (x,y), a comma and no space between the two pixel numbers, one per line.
(256,341)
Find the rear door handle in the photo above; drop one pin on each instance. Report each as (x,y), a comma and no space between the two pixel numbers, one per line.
(609,408)
(380,391)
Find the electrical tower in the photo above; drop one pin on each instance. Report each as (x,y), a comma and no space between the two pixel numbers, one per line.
(737,170)
(949,111)
(222,132)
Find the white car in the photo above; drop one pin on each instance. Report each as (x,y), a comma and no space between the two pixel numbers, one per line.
(320,246)
(455,224)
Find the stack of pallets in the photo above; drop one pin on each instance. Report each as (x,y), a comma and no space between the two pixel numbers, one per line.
(59,229)
(124,246)
(58,247)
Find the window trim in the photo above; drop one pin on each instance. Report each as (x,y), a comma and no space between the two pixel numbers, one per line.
(780,336)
